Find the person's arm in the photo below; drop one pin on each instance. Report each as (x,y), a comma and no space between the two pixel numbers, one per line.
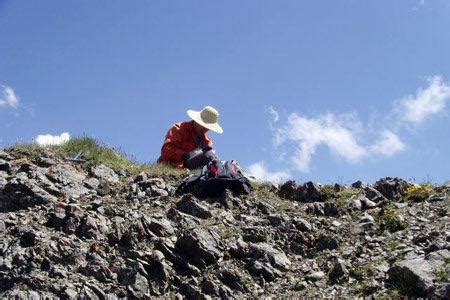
(207,143)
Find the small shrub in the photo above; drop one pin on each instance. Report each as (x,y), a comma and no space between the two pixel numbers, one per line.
(342,197)
(328,192)
(441,275)
(418,192)
(390,220)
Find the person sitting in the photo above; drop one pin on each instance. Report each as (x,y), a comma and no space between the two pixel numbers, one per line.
(187,144)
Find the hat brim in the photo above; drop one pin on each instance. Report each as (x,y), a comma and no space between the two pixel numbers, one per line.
(195,115)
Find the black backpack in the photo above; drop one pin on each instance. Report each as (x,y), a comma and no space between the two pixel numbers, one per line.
(214,178)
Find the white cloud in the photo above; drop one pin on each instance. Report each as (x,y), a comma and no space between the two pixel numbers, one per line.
(260,172)
(342,134)
(274,115)
(52,140)
(8,97)
(427,102)
(388,145)
(336,132)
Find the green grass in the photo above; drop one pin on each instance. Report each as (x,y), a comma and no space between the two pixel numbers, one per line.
(328,192)
(96,153)
(342,197)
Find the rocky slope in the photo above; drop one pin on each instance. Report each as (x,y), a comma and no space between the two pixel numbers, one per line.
(77,230)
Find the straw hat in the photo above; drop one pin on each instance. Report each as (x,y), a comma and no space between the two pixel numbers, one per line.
(207,117)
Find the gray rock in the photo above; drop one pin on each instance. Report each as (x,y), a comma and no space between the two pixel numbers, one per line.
(92,183)
(152,187)
(289,190)
(302,224)
(21,193)
(4,155)
(265,251)
(415,277)
(365,223)
(70,293)
(391,188)
(355,204)
(308,192)
(45,161)
(264,269)
(339,272)
(357,184)
(199,246)
(315,276)
(190,205)
(139,287)
(367,204)
(366,218)
(4,165)
(160,227)
(233,279)
(254,234)
(324,242)
(89,293)
(323,209)
(105,173)
(374,195)
(228,200)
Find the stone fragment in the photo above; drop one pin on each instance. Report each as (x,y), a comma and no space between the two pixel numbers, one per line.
(328,209)
(264,251)
(160,227)
(190,205)
(374,195)
(416,276)
(91,183)
(324,242)
(355,205)
(391,188)
(105,173)
(302,224)
(139,286)
(315,276)
(339,271)
(199,246)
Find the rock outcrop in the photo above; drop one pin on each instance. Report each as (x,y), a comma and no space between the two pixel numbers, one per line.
(75,230)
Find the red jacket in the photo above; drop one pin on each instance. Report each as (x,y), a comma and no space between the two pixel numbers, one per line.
(181,138)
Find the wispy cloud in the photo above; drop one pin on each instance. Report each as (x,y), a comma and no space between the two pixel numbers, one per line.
(427,102)
(389,144)
(8,97)
(338,132)
(420,4)
(52,140)
(274,115)
(344,134)
(261,173)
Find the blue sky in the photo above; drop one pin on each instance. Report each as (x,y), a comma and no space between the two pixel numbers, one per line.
(328,91)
